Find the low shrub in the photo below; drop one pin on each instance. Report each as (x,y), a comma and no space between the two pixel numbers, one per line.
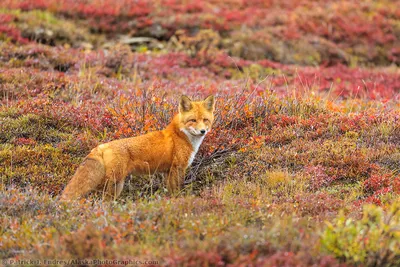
(373,240)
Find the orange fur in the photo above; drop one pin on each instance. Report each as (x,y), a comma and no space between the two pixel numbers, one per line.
(169,151)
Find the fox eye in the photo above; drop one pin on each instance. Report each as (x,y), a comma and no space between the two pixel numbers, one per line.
(192,120)
(206,120)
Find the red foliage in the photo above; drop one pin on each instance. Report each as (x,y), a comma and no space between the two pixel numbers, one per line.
(371,199)
(318,204)
(24,141)
(379,185)
(195,258)
(347,25)
(396,184)
(376,182)
(10,30)
(280,258)
(318,175)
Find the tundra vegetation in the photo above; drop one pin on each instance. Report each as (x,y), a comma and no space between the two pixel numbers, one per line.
(302,167)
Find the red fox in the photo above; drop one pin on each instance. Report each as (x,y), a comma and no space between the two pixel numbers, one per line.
(169,151)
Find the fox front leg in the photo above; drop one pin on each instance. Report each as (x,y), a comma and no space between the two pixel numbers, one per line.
(175,179)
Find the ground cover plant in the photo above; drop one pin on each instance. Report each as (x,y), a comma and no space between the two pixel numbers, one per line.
(302,167)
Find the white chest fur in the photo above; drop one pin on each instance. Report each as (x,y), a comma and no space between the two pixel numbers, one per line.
(196,142)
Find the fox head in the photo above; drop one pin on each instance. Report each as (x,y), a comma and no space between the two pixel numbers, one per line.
(196,117)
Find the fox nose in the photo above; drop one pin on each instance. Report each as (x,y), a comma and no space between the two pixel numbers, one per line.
(203,131)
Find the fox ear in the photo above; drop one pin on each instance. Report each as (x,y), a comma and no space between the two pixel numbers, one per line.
(185,104)
(209,103)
